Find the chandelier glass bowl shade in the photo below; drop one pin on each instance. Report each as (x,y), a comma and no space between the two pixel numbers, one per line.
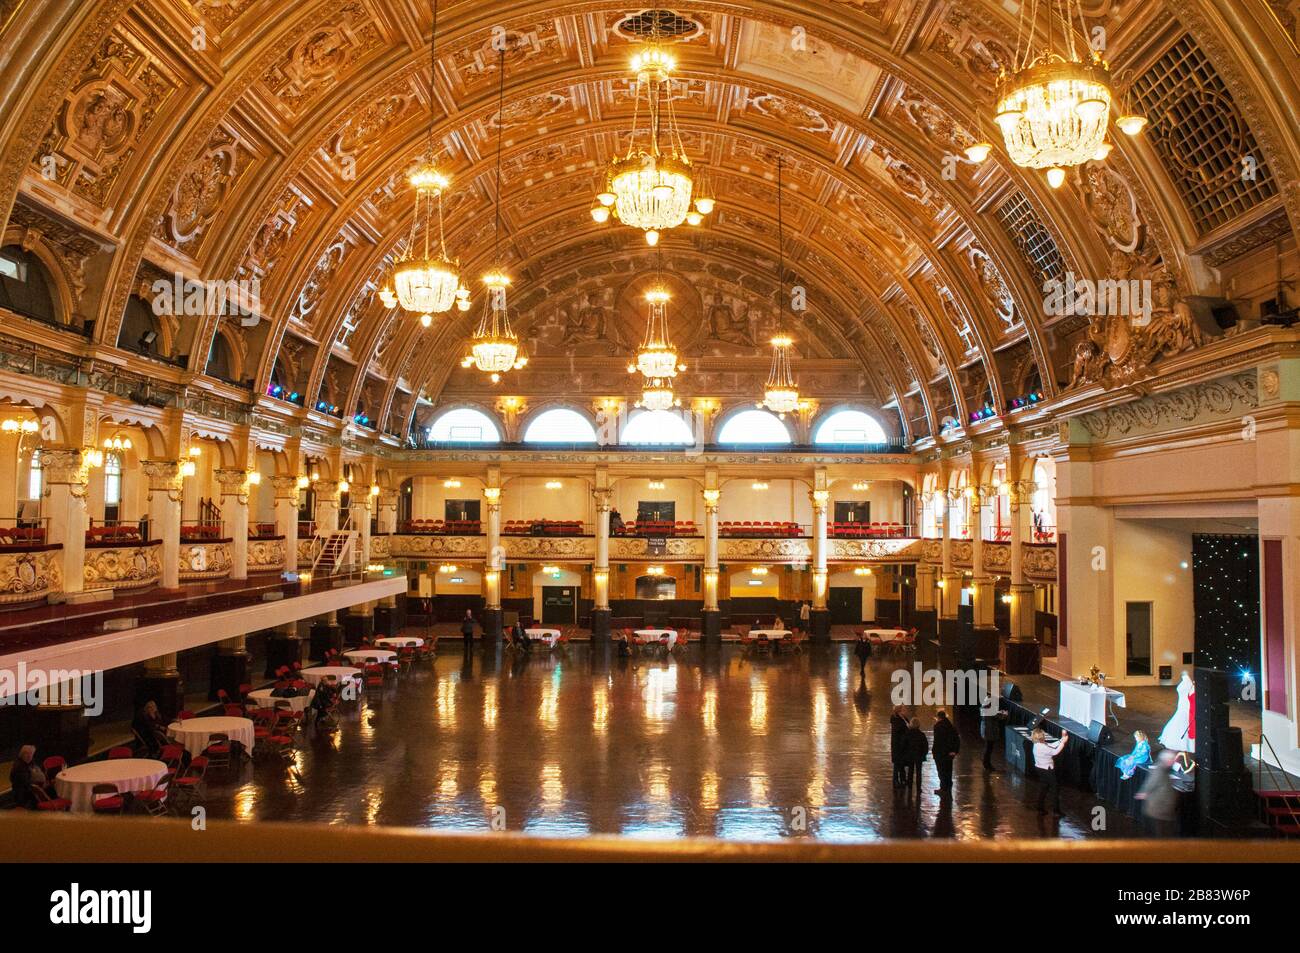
(653,185)
(656,359)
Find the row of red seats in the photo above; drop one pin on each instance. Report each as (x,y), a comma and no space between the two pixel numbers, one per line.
(660,528)
(543,528)
(204,531)
(860,530)
(441,528)
(760,529)
(111,534)
(26,534)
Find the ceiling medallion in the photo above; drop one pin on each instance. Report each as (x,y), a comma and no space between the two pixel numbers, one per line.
(781,394)
(494,348)
(653,186)
(1054,105)
(426,279)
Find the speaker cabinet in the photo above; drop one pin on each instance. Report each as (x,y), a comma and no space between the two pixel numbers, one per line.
(1099,734)
(1011,692)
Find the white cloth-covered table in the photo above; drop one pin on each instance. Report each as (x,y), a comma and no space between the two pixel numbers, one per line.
(194,733)
(265,699)
(885,635)
(769,633)
(129,774)
(314,676)
(1087,703)
(656,635)
(360,655)
(399,641)
(549,636)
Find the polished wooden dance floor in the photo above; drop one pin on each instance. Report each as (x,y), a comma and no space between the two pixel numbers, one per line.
(709,744)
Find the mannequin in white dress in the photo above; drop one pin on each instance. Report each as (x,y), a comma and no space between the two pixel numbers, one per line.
(1177,735)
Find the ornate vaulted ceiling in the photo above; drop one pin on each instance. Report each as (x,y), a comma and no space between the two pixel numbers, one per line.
(269,139)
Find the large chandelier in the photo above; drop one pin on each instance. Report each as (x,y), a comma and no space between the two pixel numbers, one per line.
(657,357)
(653,186)
(426,280)
(781,393)
(658,395)
(494,348)
(1054,105)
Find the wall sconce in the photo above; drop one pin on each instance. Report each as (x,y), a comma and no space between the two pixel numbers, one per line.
(553,484)
(861,486)
(447,568)
(16,425)
(188,469)
(712,496)
(654,570)
(374,489)
(758,485)
(95,458)
(862,571)
(303,483)
(656,484)
(344,486)
(1006,598)
(255,479)
(492,494)
(820,497)
(117,442)
(451,484)
(551,570)
(758,571)
(315,476)
(942,583)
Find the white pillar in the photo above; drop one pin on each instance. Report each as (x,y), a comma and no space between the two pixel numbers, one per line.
(234,514)
(387,515)
(165,486)
(360,513)
(327,507)
(65,474)
(712,498)
(820,502)
(1022,591)
(983,595)
(600,569)
(286,517)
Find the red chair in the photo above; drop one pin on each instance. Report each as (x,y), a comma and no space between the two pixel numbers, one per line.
(219,750)
(46,803)
(184,715)
(52,766)
(155,800)
(172,756)
(106,799)
(120,752)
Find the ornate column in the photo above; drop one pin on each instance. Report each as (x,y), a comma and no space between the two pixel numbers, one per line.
(492,614)
(161,683)
(359,511)
(950,580)
(286,517)
(229,667)
(820,620)
(66,474)
(600,613)
(1021,651)
(387,515)
(165,487)
(983,593)
(712,615)
(327,507)
(234,514)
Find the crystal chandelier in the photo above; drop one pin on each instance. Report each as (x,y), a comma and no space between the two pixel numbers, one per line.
(657,357)
(1054,105)
(653,186)
(426,280)
(494,348)
(658,395)
(781,393)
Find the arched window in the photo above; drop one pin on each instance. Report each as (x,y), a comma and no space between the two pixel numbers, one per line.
(661,427)
(34,477)
(26,286)
(850,426)
(221,360)
(464,425)
(754,426)
(560,426)
(112,487)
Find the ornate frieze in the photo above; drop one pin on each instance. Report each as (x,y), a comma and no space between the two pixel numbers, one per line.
(877,550)
(266,555)
(1039,561)
(30,576)
(122,567)
(1216,399)
(205,561)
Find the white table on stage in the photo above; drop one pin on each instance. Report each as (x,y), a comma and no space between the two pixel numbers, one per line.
(1087,703)
(549,636)
(657,635)
(885,635)
(129,774)
(265,699)
(314,676)
(360,655)
(399,641)
(193,733)
(771,634)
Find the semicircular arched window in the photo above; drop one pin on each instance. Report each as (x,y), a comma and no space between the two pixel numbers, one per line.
(26,286)
(754,426)
(464,425)
(658,427)
(850,426)
(560,426)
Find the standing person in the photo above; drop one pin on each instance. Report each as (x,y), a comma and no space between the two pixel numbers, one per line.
(467,629)
(898,745)
(1159,797)
(915,748)
(992,718)
(863,651)
(1045,768)
(946,745)
(805,611)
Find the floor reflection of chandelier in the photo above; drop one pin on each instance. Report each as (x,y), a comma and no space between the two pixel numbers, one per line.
(494,348)
(1054,104)
(426,280)
(653,186)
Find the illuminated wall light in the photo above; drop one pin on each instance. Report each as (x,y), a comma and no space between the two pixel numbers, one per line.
(344,486)
(656,484)
(196,451)
(451,484)
(861,486)
(447,569)
(759,571)
(862,571)
(655,570)
(758,486)
(188,469)
(255,479)
(554,484)
(303,482)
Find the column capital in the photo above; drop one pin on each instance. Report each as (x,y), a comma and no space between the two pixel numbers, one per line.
(819,498)
(492,496)
(286,487)
(68,466)
(327,491)
(387,496)
(712,497)
(165,476)
(604,498)
(234,482)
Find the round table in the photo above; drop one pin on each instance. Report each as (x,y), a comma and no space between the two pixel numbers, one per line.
(193,733)
(549,636)
(770,634)
(314,676)
(400,641)
(129,774)
(361,655)
(885,635)
(265,699)
(657,635)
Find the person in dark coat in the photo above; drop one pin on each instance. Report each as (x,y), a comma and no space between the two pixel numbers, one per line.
(863,651)
(467,628)
(898,745)
(946,745)
(151,728)
(915,748)
(992,720)
(22,775)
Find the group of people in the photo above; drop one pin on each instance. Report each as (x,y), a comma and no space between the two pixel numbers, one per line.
(909,747)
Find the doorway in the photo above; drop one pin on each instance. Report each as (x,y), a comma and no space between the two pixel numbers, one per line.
(1137,638)
(852,511)
(656,511)
(559,605)
(464,510)
(845,605)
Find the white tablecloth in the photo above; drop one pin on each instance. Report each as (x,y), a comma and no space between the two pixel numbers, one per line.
(400,641)
(360,655)
(768,633)
(655,635)
(193,733)
(549,636)
(885,635)
(1086,703)
(314,676)
(129,774)
(265,699)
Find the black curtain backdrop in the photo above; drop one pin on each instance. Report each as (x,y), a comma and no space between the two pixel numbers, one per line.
(1225,583)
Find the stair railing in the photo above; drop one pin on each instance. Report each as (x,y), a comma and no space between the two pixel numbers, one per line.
(1292,793)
